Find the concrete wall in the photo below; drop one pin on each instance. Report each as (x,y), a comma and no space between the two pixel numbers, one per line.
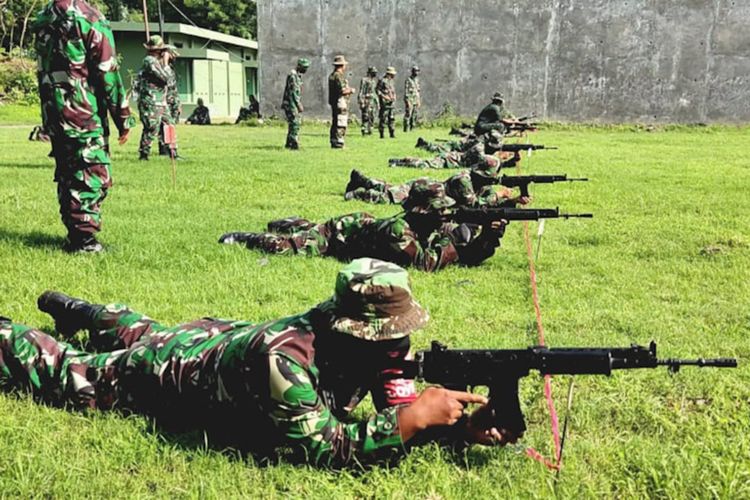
(593,60)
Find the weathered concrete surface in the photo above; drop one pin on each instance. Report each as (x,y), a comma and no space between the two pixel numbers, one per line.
(571,60)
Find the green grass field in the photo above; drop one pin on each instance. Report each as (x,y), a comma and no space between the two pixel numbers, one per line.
(667,257)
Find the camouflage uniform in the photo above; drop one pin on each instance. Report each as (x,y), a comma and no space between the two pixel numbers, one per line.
(469,189)
(265,385)
(386,91)
(173,104)
(417,238)
(291,103)
(472,158)
(412,100)
(79,84)
(154,80)
(368,100)
(338,98)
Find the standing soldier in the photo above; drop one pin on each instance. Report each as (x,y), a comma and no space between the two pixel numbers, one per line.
(292,103)
(412,99)
(338,97)
(387,97)
(79,83)
(154,80)
(173,102)
(368,99)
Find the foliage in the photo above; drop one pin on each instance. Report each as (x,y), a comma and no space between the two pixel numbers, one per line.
(667,257)
(18,82)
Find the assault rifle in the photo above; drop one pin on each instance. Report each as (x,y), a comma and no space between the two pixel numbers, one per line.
(486,215)
(515,148)
(522,181)
(501,370)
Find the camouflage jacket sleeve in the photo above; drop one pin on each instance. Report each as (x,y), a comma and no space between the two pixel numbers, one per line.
(155,72)
(293,93)
(105,73)
(427,254)
(299,414)
(363,98)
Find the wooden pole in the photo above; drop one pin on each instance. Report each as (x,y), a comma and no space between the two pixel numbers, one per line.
(145,20)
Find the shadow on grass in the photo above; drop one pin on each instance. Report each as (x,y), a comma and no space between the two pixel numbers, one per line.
(33,239)
(28,165)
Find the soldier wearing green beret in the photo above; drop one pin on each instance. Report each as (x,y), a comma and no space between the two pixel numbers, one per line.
(291,103)
(291,382)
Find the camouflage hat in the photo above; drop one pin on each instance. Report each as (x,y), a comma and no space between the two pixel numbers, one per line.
(156,42)
(372,70)
(390,70)
(427,196)
(415,69)
(303,62)
(373,301)
(488,167)
(498,96)
(339,60)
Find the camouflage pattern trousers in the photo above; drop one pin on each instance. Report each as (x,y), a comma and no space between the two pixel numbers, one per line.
(293,125)
(386,118)
(81,189)
(410,115)
(333,237)
(152,118)
(339,122)
(368,119)
(122,368)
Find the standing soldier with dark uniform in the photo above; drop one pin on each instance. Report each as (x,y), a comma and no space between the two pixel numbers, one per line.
(387,97)
(368,99)
(292,103)
(412,99)
(494,116)
(154,80)
(79,84)
(338,97)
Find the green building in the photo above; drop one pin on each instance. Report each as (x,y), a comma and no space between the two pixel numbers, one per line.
(221,69)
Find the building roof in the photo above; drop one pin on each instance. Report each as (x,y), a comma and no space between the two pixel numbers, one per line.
(187,30)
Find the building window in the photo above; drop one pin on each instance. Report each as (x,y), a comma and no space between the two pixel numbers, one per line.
(184,70)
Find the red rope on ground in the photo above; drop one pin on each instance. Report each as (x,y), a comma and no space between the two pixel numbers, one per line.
(554,420)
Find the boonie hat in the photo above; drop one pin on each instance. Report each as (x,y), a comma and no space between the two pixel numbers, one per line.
(156,42)
(339,60)
(373,301)
(390,70)
(498,96)
(303,62)
(372,69)
(427,196)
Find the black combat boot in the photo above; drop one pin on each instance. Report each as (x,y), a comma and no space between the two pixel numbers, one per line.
(83,244)
(70,314)
(143,156)
(420,143)
(382,135)
(355,180)
(393,134)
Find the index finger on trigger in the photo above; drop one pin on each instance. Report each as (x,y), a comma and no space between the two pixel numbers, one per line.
(468,397)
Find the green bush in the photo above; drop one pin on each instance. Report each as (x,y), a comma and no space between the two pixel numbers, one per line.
(18,82)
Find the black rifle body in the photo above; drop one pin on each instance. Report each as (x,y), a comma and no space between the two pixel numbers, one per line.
(501,370)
